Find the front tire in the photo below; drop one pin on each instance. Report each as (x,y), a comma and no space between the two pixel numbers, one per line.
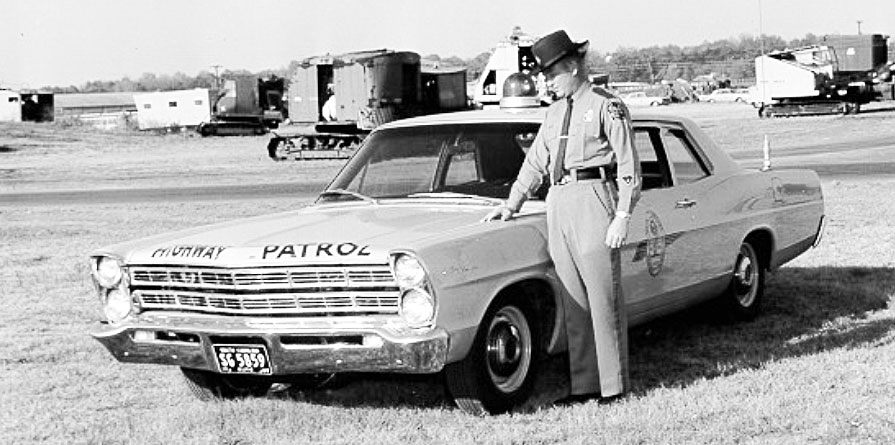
(498,372)
(207,385)
(742,300)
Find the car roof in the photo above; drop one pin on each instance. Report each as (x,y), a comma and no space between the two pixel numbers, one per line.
(520,115)
(535,115)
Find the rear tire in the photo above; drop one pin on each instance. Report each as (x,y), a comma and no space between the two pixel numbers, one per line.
(207,385)
(742,300)
(498,372)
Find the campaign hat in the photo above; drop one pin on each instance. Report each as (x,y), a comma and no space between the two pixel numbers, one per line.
(553,47)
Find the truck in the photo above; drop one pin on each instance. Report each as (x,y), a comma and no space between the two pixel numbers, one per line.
(336,100)
(836,76)
(246,105)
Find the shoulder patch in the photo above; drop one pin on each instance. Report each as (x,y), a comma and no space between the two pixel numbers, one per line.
(616,109)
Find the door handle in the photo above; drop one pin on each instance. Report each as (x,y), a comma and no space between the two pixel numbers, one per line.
(685,203)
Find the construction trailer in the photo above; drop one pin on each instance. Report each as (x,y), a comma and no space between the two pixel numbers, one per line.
(835,76)
(336,100)
(246,105)
(172,109)
(511,55)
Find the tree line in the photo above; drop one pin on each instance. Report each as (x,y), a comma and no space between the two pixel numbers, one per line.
(730,59)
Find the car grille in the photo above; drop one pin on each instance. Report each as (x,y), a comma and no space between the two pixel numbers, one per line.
(266,291)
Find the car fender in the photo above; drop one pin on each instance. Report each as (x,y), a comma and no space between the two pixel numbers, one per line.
(468,269)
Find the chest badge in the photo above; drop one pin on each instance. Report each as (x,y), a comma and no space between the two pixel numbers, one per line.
(589,116)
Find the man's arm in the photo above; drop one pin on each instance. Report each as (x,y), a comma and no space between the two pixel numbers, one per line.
(619,132)
(617,126)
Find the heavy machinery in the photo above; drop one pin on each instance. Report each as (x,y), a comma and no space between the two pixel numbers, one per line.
(511,55)
(836,76)
(335,101)
(246,105)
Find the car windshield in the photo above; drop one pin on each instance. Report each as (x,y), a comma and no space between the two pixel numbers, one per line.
(431,161)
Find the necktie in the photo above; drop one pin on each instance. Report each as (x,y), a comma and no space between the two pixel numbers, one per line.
(563,140)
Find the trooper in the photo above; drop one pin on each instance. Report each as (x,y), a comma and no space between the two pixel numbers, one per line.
(585,149)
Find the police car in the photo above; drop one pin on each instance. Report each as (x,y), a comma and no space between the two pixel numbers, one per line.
(392,271)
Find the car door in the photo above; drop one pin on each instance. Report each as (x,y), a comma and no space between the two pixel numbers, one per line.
(663,258)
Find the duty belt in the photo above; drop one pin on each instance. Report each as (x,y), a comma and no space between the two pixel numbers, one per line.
(583,174)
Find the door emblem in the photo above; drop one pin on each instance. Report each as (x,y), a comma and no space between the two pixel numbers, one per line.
(655,244)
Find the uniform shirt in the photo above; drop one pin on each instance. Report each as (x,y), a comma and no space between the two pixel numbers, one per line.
(600,134)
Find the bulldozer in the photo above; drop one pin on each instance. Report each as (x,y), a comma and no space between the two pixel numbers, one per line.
(835,76)
(246,105)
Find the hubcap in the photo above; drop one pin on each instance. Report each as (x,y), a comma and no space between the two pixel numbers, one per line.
(508,349)
(746,276)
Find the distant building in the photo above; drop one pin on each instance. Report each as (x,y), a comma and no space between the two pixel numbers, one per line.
(102,110)
(166,109)
(10,106)
(26,105)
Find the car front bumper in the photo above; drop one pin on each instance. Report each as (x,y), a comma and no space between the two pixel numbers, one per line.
(295,345)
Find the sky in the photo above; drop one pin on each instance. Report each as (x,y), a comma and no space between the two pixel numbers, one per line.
(70,42)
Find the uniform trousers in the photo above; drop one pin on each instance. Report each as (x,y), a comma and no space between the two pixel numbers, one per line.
(578,216)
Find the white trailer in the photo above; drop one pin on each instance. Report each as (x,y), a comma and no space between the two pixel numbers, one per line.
(167,109)
(10,106)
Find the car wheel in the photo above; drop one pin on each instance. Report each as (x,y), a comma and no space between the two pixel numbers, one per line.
(497,373)
(739,100)
(742,300)
(207,385)
(654,104)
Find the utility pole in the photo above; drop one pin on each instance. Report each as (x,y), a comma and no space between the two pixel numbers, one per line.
(859,26)
(217,78)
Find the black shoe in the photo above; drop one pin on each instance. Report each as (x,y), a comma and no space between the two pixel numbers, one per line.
(610,399)
(574,399)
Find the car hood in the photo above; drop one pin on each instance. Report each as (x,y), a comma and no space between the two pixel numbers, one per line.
(328,234)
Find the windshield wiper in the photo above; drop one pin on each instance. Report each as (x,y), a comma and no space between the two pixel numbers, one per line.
(453,195)
(343,192)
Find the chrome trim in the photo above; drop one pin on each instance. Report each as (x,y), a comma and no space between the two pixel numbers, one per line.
(280,303)
(266,290)
(821,228)
(262,278)
(388,345)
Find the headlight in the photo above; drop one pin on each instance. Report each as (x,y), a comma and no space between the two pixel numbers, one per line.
(118,305)
(409,273)
(417,305)
(108,272)
(417,308)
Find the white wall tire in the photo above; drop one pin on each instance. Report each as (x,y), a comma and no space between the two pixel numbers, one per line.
(743,298)
(498,372)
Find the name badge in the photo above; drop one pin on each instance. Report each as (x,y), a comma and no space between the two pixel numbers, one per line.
(589,116)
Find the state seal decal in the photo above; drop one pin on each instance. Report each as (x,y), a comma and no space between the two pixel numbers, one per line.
(655,244)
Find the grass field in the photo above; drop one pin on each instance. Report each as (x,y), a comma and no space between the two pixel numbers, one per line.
(815,368)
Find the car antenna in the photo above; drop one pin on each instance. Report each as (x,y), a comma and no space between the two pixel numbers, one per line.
(766,165)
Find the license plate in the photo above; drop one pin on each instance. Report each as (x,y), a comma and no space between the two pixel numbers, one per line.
(242,359)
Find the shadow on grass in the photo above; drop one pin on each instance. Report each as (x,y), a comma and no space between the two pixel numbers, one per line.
(806,311)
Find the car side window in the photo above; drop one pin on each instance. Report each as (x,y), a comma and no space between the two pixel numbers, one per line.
(653,167)
(685,167)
